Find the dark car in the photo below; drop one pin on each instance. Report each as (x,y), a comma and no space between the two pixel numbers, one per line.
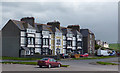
(64,56)
(49,62)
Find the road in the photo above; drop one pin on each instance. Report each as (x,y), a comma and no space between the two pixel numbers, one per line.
(75,65)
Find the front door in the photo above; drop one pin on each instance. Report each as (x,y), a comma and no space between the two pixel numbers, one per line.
(57,51)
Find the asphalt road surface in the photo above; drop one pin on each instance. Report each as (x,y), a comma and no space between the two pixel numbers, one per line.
(75,65)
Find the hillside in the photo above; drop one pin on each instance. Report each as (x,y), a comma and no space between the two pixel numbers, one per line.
(114,46)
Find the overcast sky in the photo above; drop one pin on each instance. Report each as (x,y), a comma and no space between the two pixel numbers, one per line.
(99,17)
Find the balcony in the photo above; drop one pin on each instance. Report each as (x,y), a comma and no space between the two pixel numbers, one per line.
(69,46)
(69,38)
(79,39)
(79,47)
(46,46)
(30,46)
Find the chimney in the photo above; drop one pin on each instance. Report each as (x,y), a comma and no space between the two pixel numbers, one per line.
(54,24)
(29,20)
(74,27)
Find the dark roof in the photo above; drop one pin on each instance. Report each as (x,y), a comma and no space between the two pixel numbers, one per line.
(22,25)
(85,32)
(19,24)
(39,27)
(75,32)
(66,30)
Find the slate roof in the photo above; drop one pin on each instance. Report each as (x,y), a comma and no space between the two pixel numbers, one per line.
(66,30)
(19,24)
(75,32)
(39,27)
(22,25)
(85,32)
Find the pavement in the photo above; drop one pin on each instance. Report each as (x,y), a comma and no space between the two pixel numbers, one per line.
(75,65)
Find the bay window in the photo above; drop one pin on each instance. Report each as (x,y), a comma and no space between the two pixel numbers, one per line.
(30,41)
(69,43)
(45,41)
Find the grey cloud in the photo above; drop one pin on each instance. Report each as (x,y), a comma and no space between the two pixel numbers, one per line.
(100,18)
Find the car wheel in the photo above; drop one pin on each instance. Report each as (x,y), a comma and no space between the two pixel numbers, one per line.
(59,65)
(49,66)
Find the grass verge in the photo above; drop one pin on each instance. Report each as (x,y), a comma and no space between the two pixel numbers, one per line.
(106,63)
(81,58)
(28,63)
(16,58)
(65,65)
(84,58)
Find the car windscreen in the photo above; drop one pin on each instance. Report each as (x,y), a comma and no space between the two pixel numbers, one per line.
(44,59)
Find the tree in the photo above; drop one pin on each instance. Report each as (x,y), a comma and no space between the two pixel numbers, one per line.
(97,46)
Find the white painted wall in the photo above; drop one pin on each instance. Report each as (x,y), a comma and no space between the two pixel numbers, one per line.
(23,33)
(31,30)
(37,34)
(73,43)
(23,40)
(38,41)
(30,35)
(58,34)
(38,50)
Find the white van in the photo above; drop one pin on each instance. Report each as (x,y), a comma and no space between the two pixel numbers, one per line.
(102,52)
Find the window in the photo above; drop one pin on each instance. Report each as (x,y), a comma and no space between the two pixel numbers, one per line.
(23,40)
(69,43)
(45,32)
(30,41)
(53,60)
(27,52)
(58,42)
(45,51)
(69,35)
(45,41)
(38,50)
(90,36)
(58,51)
(37,41)
(22,33)
(79,44)
(50,60)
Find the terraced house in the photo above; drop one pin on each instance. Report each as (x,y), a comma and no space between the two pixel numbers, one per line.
(27,38)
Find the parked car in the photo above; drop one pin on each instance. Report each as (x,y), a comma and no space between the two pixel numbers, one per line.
(74,53)
(84,55)
(64,56)
(102,52)
(113,53)
(49,62)
(118,53)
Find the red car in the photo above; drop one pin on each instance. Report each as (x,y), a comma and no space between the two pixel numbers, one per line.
(49,62)
(84,55)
